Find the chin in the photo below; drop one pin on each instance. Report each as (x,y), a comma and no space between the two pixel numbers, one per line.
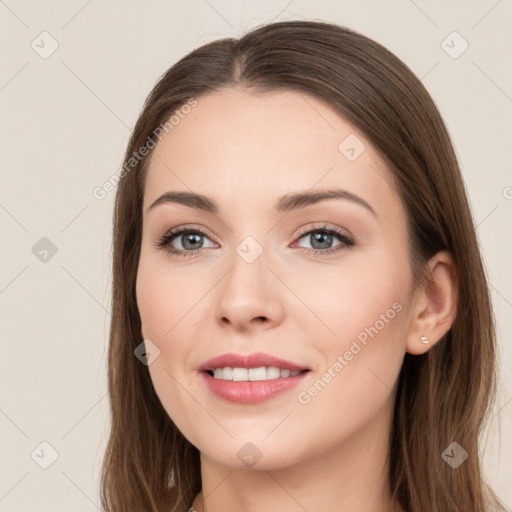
(256,455)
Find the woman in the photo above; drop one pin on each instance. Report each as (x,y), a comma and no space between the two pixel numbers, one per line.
(301,319)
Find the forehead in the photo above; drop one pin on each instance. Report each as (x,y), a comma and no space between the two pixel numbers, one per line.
(246,148)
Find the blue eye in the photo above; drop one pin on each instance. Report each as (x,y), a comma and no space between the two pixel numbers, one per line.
(322,236)
(192,244)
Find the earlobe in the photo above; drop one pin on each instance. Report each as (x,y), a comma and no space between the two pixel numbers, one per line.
(435,305)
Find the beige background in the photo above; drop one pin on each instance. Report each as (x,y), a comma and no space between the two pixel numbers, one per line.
(64,124)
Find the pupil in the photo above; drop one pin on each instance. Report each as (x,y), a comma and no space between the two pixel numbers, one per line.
(318,237)
(188,238)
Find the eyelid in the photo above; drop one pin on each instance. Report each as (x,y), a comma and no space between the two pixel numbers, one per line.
(322,226)
(177,231)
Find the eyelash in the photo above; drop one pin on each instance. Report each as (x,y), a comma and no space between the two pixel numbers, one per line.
(346,241)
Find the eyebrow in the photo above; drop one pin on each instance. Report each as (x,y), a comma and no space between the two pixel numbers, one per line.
(284,204)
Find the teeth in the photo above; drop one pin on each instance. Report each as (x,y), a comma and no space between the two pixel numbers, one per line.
(257,374)
(273,373)
(239,374)
(252,374)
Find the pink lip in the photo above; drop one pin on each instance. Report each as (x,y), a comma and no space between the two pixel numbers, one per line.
(253,360)
(250,392)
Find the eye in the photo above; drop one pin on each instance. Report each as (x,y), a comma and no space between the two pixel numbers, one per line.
(188,238)
(321,239)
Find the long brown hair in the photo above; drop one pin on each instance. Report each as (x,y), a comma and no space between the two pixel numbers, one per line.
(444,395)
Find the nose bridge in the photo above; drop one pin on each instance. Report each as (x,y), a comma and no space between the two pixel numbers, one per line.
(248,265)
(252,240)
(247,291)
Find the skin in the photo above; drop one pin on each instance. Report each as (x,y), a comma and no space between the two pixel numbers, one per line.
(244,151)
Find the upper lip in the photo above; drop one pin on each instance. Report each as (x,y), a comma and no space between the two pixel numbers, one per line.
(253,360)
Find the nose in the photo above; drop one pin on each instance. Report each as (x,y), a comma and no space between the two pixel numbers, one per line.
(249,296)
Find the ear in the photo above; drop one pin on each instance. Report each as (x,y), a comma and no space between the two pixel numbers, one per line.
(434,305)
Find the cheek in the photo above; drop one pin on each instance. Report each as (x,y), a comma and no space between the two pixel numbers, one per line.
(361,300)
(165,298)
(165,304)
(363,354)
(171,310)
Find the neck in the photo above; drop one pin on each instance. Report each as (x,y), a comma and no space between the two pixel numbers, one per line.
(351,476)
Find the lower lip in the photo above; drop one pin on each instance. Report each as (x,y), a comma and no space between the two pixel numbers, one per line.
(251,392)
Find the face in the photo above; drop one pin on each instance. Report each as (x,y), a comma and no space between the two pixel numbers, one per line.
(322,284)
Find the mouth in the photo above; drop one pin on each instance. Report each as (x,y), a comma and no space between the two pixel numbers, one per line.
(249,379)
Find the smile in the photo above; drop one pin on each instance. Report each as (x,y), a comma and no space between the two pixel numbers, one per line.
(250,378)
